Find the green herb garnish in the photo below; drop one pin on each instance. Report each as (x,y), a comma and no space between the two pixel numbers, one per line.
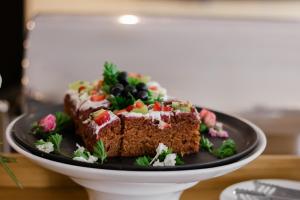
(3,163)
(179,160)
(99,151)
(163,155)
(133,81)
(118,103)
(203,128)
(228,148)
(62,119)
(143,161)
(206,144)
(82,153)
(55,139)
(110,75)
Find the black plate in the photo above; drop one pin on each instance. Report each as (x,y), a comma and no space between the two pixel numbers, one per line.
(243,134)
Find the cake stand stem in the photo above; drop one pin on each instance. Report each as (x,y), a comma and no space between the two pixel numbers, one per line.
(96,195)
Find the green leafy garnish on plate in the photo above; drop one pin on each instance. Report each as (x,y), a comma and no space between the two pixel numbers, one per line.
(206,144)
(62,119)
(228,148)
(118,103)
(143,161)
(99,151)
(203,128)
(56,140)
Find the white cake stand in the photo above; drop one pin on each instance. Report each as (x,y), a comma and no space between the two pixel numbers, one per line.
(132,185)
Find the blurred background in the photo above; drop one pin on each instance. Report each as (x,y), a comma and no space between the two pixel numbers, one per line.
(239,57)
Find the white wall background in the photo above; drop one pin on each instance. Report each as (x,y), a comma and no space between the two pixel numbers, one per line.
(229,65)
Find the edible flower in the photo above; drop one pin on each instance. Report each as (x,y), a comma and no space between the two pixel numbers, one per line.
(218,131)
(208,117)
(48,123)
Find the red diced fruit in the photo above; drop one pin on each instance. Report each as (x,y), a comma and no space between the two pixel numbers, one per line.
(101,116)
(153,87)
(81,88)
(156,106)
(129,108)
(167,108)
(118,112)
(97,97)
(139,104)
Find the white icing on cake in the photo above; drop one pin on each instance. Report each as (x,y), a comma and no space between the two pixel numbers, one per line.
(97,127)
(87,104)
(153,115)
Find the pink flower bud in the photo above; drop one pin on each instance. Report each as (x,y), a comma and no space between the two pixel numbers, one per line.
(203,113)
(210,119)
(48,123)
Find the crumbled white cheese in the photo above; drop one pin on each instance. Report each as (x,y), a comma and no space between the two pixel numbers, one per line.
(91,159)
(170,159)
(47,147)
(158,164)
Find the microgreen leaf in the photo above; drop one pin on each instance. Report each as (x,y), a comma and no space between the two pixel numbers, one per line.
(143,161)
(39,142)
(228,148)
(62,119)
(99,151)
(133,81)
(56,140)
(203,128)
(118,103)
(3,163)
(36,129)
(163,155)
(206,144)
(81,153)
(110,75)
(179,160)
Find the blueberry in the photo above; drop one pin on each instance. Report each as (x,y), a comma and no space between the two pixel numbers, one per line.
(124,82)
(141,87)
(122,76)
(117,89)
(143,95)
(130,89)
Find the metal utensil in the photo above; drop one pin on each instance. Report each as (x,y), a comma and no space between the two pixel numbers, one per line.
(275,190)
(243,194)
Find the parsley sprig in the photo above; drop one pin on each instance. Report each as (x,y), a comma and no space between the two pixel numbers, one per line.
(143,161)
(56,140)
(110,75)
(4,164)
(228,147)
(99,151)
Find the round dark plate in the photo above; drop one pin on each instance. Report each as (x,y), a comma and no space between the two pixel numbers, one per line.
(243,134)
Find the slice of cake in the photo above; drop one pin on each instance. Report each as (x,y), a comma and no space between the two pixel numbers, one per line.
(175,125)
(102,125)
(131,115)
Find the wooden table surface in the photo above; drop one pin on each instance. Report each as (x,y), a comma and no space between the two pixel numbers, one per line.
(43,184)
